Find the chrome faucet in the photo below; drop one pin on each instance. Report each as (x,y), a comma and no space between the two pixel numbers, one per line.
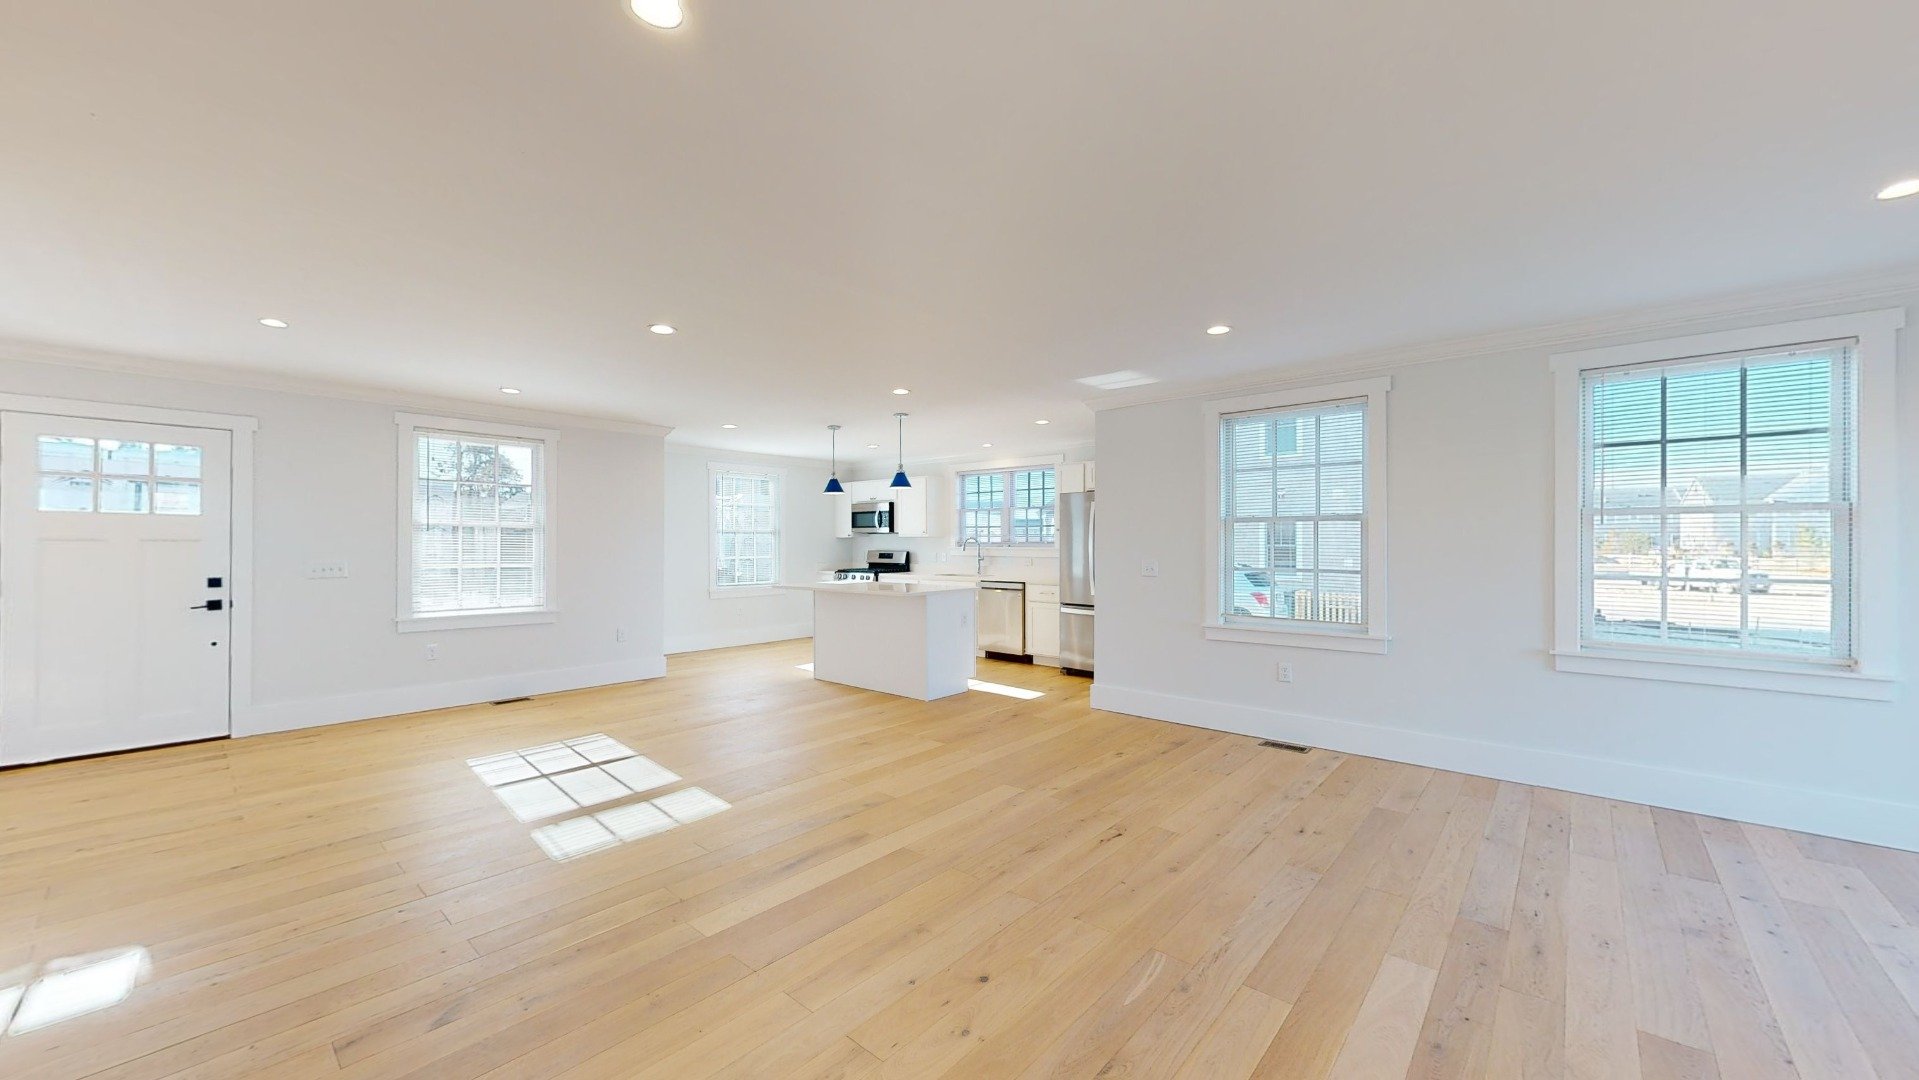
(979,547)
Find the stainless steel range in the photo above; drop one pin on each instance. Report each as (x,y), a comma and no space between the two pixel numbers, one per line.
(878,564)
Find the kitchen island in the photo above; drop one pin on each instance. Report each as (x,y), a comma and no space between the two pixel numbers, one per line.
(914,639)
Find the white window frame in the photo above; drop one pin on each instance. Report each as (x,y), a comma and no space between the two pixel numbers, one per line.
(984,468)
(1875,569)
(1370,636)
(410,427)
(715,590)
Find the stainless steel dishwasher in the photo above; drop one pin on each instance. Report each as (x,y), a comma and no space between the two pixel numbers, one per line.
(1002,619)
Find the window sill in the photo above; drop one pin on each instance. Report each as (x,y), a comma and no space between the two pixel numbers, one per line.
(744,591)
(1299,639)
(465,620)
(1742,673)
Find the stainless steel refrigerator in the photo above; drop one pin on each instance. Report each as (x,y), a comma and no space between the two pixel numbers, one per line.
(1076,518)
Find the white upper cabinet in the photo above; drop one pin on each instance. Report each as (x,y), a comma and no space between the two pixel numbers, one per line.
(1074,476)
(915,510)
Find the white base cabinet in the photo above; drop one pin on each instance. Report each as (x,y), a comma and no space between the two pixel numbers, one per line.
(1042,623)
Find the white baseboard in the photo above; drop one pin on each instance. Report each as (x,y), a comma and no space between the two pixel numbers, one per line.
(732,637)
(1826,813)
(262,719)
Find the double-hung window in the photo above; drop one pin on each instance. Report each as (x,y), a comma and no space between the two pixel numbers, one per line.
(746,529)
(1009,507)
(1717,521)
(1298,532)
(475,513)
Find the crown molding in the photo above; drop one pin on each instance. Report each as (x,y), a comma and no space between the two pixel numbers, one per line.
(709,452)
(32,352)
(1662,321)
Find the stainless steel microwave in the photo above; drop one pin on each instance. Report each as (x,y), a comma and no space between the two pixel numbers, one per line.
(872,517)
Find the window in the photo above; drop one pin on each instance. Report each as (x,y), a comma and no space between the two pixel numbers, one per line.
(115,476)
(1007,507)
(1298,536)
(746,530)
(1716,516)
(477,522)
(1717,503)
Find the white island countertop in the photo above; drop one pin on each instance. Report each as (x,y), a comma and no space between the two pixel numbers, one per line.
(883,588)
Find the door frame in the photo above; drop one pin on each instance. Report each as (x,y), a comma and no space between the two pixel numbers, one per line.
(240,525)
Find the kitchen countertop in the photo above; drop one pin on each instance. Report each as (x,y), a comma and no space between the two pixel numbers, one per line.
(883,588)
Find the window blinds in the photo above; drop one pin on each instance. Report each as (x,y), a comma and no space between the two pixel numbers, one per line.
(746,529)
(479,528)
(1293,507)
(1717,502)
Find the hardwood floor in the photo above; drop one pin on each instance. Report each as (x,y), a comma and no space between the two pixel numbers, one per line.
(870,887)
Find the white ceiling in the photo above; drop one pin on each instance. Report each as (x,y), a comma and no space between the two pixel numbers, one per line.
(982,200)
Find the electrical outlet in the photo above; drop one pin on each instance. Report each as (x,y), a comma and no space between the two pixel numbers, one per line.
(620,634)
(321,570)
(432,652)
(1283,672)
(1149,568)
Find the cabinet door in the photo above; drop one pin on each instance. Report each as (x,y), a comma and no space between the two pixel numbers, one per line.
(1090,486)
(1070,477)
(1042,629)
(842,515)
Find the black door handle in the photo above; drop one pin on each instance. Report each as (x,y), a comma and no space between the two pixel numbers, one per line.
(210,605)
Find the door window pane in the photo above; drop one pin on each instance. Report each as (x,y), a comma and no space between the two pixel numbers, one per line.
(65,453)
(122,496)
(125,458)
(180,461)
(176,497)
(66,493)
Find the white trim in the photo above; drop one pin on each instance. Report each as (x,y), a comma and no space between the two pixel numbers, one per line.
(1371,636)
(32,352)
(1852,291)
(375,704)
(1329,639)
(468,620)
(775,473)
(1826,813)
(240,592)
(1876,567)
(407,428)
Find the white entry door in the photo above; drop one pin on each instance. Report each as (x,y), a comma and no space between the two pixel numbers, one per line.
(115,544)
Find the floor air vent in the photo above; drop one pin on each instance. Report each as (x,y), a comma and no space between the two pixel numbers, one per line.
(1292,748)
(509,700)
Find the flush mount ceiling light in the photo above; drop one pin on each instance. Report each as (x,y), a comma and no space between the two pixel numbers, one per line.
(664,14)
(1900,190)
(662,329)
(1218,329)
(509,389)
(1118,380)
(833,485)
(729,427)
(901,390)
(281,324)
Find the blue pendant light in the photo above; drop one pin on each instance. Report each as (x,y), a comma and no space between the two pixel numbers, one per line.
(833,482)
(899,478)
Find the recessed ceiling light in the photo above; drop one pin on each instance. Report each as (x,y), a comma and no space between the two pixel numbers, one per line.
(1118,380)
(901,390)
(1219,329)
(729,427)
(872,446)
(277,324)
(665,14)
(1899,190)
(509,389)
(1042,421)
(662,328)
(986,446)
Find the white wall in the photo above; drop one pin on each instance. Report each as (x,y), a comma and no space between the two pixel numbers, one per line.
(1468,683)
(325,478)
(697,620)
